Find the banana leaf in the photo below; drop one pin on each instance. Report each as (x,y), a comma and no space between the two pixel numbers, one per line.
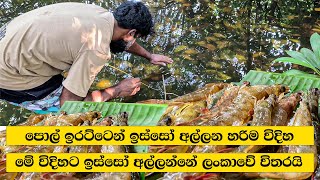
(139,114)
(314,41)
(296,80)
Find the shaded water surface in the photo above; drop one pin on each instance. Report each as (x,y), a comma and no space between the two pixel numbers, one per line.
(209,41)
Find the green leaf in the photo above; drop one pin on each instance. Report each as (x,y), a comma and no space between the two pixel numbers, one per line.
(297,55)
(139,114)
(311,57)
(295,61)
(296,83)
(315,44)
(142,175)
(295,72)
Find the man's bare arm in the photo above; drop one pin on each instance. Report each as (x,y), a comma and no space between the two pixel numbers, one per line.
(139,50)
(156,59)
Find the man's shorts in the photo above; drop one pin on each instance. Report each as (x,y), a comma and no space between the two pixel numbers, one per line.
(45,97)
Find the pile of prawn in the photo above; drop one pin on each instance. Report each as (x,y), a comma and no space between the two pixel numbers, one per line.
(229,105)
(80,119)
(218,104)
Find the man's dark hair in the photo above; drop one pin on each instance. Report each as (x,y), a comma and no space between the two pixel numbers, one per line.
(134,15)
(118,46)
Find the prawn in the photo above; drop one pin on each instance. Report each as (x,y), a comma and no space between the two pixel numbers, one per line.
(241,110)
(283,109)
(201,93)
(119,120)
(261,117)
(302,117)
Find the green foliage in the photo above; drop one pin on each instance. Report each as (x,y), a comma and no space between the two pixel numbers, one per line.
(139,114)
(295,79)
(12,115)
(306,57)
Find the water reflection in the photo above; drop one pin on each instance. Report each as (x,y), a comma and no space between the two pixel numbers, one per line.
(10,115)
(209,40)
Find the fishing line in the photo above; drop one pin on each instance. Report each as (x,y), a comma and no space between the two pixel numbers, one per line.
(164,88)
(148,86)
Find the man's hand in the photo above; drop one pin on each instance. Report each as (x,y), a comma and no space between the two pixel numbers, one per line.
(128,87)
(162,60)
